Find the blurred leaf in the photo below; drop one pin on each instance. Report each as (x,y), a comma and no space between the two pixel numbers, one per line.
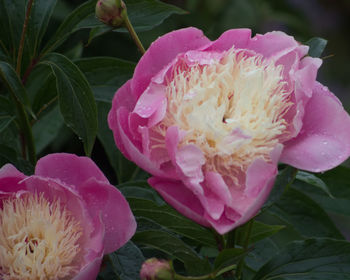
(310,259)
(7,155)
(98,31)
(11,80)
(317,46)
(76,100)
(167,217)
(11,23)
(283,181)
(127,261)
(305,215)
(39,19)
(140,189)
(5,122)
(228,257)
(172,246)
(261,231)
(46,129)
(314,181)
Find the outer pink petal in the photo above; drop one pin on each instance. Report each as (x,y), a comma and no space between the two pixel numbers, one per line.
(162,52)
(69,168)
(90,271)
(239,38)
(324,141)
(181,198)
(105,200)
(9,179)
(271,43)
(130,150)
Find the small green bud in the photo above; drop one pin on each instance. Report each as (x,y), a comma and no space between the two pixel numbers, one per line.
(111,12)
(154,269)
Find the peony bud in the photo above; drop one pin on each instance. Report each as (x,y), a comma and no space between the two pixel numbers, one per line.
(111,12)
(154,269)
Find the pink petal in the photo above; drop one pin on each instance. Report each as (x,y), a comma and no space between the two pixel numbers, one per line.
(9,179)
(271,43)
(150,100)
(130,150)
(105,200)
(69,168)
(91,270)
(239,38)
(324,141)
(180,197)
(163,51)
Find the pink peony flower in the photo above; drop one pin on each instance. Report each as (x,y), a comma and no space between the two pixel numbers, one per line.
(59,222)
(210,120)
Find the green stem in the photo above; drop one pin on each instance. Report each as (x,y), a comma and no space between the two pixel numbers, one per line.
(212,275)
(26,133)
(133,34)
(26,129)
(247,233)
(21,44)
(220,240)
(231,237)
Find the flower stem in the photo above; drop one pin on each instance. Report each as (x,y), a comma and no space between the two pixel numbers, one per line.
(26,134)
(133,34)
(21,44)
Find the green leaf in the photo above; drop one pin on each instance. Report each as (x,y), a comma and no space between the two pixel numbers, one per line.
(46,129)
(320,259)
(228,257)
(338,182)
(39,19)
(314,181)
(146,14)
(172,246)
(305,215)
(105,75)
(317,46)
(13,83)
(81,18)
(127,261)
(167,217)
(76,100)
(143,14)
(261,231)
(283,181)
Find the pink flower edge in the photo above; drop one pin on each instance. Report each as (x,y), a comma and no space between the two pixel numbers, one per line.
(100,208)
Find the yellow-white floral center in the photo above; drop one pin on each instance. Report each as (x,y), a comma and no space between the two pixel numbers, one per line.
(38,239)
(232,108)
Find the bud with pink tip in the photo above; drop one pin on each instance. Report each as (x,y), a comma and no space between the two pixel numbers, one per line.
(111,12)
(154,269)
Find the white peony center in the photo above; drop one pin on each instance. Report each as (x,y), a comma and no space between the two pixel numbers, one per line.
(38,239)
(232,108)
